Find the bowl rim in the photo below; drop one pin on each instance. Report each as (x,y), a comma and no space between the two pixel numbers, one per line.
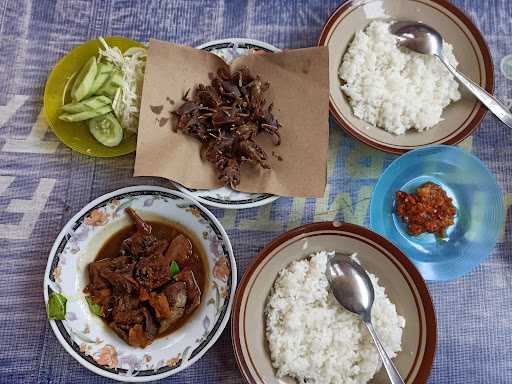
(423,291)
(52,77)
(487,62)
(462,153)
(88,207)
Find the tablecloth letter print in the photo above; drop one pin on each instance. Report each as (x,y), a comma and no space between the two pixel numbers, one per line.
(29,209)
(34,142)
(7,111)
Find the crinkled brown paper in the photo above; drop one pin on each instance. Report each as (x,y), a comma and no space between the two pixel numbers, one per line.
(299,89)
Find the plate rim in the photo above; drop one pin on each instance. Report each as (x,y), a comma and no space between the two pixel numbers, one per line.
(65,229)
(53,74)
(488,67)
(461,152)
(267,197)
(241,40)
(264,199)
(426,364)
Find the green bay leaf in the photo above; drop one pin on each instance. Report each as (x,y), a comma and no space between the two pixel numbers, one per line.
(94,308)
(174,268)
(56,306)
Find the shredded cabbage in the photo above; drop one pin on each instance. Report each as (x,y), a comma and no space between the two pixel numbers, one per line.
(132,63)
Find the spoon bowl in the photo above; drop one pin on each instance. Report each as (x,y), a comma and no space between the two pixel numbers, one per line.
(418,37)
(350,284)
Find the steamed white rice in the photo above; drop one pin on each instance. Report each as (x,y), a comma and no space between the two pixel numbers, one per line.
(392,87)
(313,339)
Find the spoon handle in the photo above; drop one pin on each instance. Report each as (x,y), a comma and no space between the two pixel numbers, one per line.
(493,104)
(394,376)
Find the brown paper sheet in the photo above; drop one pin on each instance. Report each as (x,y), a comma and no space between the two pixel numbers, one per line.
(299,89)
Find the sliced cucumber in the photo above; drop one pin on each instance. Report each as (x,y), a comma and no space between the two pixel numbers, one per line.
(111,85)
(102,75)
(84,80)
(81,116)
(87,104)
(106,129)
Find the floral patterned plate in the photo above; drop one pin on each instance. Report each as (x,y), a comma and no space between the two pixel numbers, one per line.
(86,337)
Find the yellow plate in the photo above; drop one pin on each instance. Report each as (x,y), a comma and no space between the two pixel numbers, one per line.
(56,93)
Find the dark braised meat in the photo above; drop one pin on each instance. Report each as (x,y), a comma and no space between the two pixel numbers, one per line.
(142,242)
(153,271)
(180,250)
(98,269)
(226,117)
(138,295)
(428,210)
(122,283)
(193,290)
(176,295)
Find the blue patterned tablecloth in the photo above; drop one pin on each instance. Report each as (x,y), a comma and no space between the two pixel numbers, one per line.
(43,183)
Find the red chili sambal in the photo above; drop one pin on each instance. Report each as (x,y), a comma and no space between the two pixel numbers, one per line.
(428,210)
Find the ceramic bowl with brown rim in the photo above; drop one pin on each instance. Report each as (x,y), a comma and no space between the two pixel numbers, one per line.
(403,283)
(459,118)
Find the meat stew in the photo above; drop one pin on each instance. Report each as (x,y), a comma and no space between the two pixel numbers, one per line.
(147,279)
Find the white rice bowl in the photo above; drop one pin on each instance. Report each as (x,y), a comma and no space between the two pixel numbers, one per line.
(394,88)
(313,339)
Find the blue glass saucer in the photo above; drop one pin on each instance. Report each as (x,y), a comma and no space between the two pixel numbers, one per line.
(475,194)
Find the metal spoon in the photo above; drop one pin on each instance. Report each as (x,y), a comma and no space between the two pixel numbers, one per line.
(421,38)
(353,289)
